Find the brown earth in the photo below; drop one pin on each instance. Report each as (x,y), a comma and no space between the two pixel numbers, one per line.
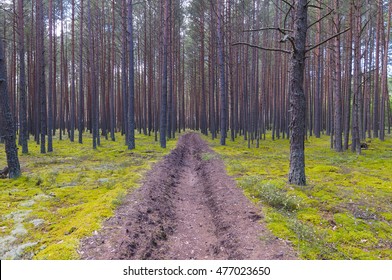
(188,208)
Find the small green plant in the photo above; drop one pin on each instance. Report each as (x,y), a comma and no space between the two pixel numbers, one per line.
(278,198)
(271,194)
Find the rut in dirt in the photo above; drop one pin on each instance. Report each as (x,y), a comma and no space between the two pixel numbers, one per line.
(187,208)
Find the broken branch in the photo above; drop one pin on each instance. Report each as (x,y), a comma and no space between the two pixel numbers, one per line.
(281,30)
(325,41)
(323,17)
(262,48)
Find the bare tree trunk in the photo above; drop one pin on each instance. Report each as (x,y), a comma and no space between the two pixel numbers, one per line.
(348,87)
(131,101)
(356,144)
(81,93)
(50,80)
(41,73)
(384,80)
(163,115)
(222,74)
(8,125)
(376,102)
(22,81)
(112,79)
(93,89)
(211,71)
(337,87)
(73,99)
(297,96)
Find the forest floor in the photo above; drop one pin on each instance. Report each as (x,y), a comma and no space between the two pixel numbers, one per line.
(187,208)
(64,197)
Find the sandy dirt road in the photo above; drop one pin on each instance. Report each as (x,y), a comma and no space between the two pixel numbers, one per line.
(187,208)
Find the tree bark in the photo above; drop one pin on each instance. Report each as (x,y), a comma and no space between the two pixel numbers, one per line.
(297,96)
(222,88)
(22,81)
(131,101)
(8,123)
(41,73)
(50,80)
(338,142)
(81,93)
(163,110)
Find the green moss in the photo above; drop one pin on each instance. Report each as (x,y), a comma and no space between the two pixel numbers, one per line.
(344,211)
(64,196)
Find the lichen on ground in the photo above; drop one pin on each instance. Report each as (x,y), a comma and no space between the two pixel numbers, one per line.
(344,212)
(65,196)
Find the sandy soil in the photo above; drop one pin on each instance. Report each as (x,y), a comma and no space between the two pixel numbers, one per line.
(187,208)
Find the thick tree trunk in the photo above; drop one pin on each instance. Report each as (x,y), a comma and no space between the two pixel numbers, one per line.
(8,122)
(297,96)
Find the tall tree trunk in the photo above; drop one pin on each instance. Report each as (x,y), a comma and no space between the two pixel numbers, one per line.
(124,83)
(112,79)
(384,80)
(337,86)
(50,80)
(73,99)
(131,101)
(41,73)
(356,144)
(163,114)
(211,69)
(297,96)
(93,89)
(81,93)
(203,125)
(22,81)
(348,87)
(8,125)
(222,87)
(62,74)
(376,102)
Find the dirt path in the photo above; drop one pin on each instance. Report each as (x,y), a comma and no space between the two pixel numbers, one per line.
(188,208)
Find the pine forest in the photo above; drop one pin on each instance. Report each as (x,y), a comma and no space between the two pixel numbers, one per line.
(195,129)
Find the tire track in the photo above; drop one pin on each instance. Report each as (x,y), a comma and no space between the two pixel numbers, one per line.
(188,208)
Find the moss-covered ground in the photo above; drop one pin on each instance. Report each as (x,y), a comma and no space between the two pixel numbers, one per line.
(66,195)
(344,212)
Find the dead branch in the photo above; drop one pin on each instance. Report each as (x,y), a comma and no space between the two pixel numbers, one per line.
(261,48)
(323,17)
(325,41)
(281,30)
(316,7)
